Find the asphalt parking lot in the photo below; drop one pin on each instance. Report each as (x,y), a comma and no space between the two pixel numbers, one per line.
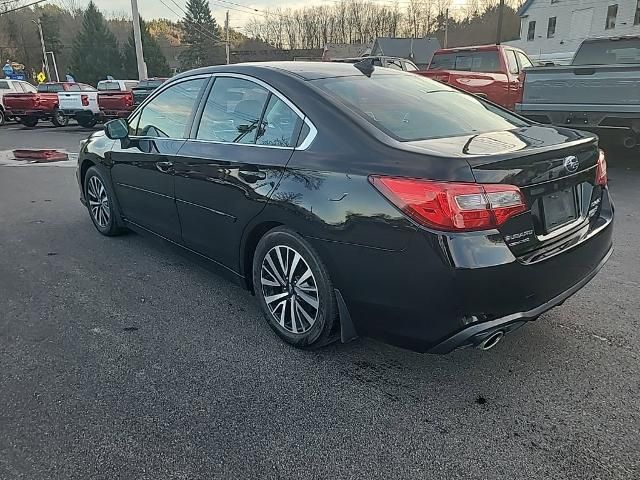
(121,359)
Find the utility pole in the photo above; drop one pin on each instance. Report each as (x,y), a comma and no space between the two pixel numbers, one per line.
(137,36)
(500,15)
(44,50)
(226,27)
(55,65)
(446,27)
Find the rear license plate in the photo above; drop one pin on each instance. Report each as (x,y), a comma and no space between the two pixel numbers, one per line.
(559,209)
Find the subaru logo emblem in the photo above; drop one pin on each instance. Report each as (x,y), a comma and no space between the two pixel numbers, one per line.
(571,163)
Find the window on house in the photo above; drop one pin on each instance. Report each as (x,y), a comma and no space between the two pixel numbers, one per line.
(551,27)
(612,13)
(636,19)
(531,34)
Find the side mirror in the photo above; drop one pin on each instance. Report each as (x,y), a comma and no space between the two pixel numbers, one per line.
(117,129)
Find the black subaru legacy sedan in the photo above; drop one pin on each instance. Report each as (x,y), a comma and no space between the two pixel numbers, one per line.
(358,201)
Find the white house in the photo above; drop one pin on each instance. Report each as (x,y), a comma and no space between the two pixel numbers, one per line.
(550,28)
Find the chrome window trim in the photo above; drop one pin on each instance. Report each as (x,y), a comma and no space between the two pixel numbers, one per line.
(308,140)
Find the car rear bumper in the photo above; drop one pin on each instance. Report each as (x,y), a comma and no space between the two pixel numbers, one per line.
(444,292)
(78,113)
(29,113)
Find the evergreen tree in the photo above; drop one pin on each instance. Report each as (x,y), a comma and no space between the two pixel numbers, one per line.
(201,34)
(51,32)
(95,49)
(157,65)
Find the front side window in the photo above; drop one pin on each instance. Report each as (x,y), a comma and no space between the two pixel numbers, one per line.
(233,110)
(512,63)
(612,13)
(169,113)
(411,107)
(551,27)
(280,125)
(531,33)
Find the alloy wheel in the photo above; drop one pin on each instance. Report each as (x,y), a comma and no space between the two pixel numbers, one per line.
(289,289)
(98,202)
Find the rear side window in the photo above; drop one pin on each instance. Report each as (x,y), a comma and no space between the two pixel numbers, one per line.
(280,125)
(4,85)
(487,62)
(28,88)
(169,113)
(410,107)
(233,110)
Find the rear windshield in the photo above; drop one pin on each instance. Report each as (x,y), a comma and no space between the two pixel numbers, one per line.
(487,62)
(608,52)
(409,107)
(150,83)
(108,86)
(56,87)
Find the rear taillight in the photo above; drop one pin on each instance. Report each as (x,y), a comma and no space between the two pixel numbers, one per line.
(85,100)
(452,206)
(601,170)
(129,99)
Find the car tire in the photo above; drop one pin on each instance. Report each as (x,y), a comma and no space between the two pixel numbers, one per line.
(101,203)
(294,290)
(3,118)
(29,122)
(59,119)
(87,122)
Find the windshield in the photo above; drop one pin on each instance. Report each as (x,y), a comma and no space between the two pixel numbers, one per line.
(410,107)
(486,62)
(608,52)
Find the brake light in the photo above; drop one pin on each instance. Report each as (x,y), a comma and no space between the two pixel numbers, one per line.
(129,99)
(601,170)
(452,206)
(85,100)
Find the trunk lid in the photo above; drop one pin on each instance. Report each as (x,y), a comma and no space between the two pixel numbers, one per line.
(554,168)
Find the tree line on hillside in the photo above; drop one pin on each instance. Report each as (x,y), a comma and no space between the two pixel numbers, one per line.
(87,47)
(362,21)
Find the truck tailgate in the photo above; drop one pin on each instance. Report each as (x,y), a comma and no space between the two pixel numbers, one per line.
(70,101)
(604,86)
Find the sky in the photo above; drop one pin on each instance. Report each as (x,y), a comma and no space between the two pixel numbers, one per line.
(239,14)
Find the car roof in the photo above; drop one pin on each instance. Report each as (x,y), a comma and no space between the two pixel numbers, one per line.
(302,70)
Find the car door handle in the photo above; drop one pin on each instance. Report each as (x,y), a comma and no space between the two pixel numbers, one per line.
(165,167)
(252,176)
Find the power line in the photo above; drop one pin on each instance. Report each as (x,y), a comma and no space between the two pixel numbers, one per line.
(22,7)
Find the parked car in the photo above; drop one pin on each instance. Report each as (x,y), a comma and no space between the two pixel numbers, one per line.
(494,72)
(395,63)
(598,92)
(115,98)
(29,107)
(12,86)
(145,88)
(379,203)
(81,105)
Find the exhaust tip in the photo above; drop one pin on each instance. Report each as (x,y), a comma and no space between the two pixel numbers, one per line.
(491,341)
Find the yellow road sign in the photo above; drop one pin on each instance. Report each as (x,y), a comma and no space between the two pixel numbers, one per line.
(41,77)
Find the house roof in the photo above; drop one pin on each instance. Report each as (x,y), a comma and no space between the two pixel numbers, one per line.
(523,9)
(420,50)
(344,50)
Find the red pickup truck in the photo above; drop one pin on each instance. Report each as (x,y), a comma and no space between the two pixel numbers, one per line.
(29,108)
(115,98)
(494,72)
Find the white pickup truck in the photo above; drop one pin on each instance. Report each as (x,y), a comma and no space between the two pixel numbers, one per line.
(80,104)
(12,86)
